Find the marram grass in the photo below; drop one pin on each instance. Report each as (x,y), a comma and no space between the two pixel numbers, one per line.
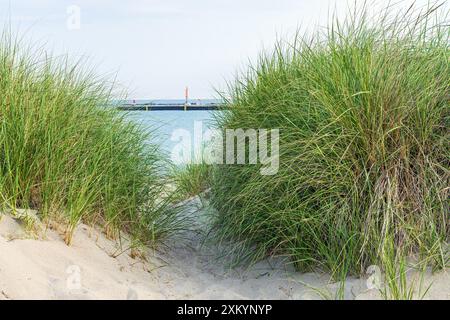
(191,179)
(363,112)
(66,154)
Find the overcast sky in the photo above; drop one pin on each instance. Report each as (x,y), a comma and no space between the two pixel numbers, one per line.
(159,47)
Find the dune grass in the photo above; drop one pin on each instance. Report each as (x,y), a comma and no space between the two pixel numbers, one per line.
(363,112)
(66,153)
(191,179)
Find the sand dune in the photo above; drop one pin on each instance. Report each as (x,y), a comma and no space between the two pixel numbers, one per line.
(48,269)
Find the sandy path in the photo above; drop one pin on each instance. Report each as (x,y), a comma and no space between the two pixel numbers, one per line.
(48,269)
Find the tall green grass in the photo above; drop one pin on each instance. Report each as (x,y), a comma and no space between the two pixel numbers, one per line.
(191,179)
(363,112)
(65,152)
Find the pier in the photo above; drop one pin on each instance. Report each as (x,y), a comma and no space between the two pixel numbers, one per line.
(174,105)
(170,107)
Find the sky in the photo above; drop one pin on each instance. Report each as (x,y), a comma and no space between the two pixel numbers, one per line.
(156,48)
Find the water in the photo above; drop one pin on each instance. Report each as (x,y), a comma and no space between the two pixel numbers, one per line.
(162,124)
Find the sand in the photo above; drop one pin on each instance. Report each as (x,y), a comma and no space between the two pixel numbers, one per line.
(94,267)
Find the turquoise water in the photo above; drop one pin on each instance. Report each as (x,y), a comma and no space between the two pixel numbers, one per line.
(162,124)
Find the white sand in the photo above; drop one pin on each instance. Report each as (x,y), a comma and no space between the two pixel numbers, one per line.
(48,269)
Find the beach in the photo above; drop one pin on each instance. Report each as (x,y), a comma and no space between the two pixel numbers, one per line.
(225,161)
(94,267)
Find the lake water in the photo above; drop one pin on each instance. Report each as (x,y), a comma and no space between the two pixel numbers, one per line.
(162,124)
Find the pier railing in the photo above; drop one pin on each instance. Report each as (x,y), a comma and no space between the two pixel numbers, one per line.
(170,107)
